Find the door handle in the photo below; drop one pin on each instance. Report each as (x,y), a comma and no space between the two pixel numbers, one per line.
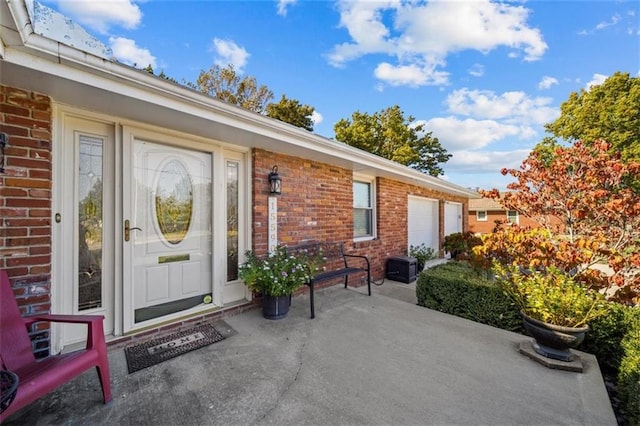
(128,229)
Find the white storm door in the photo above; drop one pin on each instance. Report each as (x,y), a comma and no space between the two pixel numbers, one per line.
(423,222)
(452,218)
(167,231)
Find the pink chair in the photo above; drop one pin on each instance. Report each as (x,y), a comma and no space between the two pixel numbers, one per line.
(38,378)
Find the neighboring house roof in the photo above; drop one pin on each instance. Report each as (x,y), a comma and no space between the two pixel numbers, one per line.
(73,74)
(487,204)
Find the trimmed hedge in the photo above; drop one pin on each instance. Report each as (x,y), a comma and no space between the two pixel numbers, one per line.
(457,289)
(629,373)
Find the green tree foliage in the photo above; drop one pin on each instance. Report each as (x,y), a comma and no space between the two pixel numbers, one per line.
(162,75)
(293,112)
(225,84)
(390,135)
(609,111)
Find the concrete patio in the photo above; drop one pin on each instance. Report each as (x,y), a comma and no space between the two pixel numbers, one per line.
(362,360)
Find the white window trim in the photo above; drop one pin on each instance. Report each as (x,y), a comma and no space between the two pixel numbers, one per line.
(479,219)
(517,221)
(374,226)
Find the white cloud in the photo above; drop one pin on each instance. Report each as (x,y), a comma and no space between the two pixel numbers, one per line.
(283,5)
(409,75)
(101,15)
(614,20)
(317,118)
(597,79)
(469,134)
(228,52)
(476,70)
(507,106)
(421,35)
(472,162)
(126,51)
(547,82)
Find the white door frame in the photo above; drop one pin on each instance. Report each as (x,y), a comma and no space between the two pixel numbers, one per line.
(69,126)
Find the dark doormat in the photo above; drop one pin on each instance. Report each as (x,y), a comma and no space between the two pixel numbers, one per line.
(155,351)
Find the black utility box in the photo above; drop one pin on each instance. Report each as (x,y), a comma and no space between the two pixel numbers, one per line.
(402,268)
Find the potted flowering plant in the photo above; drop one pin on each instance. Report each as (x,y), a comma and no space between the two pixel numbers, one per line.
(276,276)
(555,309)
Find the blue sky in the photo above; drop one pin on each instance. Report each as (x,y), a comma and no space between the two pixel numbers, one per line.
(484,76)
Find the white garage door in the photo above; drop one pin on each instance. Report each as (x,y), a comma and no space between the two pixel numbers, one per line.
(452,218)
(423,222)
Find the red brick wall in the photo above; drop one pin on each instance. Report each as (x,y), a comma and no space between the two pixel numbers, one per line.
(25,201)
(317,204)
(487,226)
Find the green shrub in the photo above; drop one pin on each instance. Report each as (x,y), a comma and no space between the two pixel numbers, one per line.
(422,253)
(604,338)
(460,244)
(457,289)
(629,372)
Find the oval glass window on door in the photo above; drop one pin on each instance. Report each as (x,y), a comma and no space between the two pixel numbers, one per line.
(174,202)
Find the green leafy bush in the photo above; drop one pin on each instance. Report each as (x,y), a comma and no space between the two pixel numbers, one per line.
(604,339)
(460,244)
(629,372)
(422,253)
(550,295)
(457,289)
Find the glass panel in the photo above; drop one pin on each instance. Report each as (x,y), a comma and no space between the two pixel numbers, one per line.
(362,222)
(174,202)
(232,220)
(512,216)
(90,223)
(361,194)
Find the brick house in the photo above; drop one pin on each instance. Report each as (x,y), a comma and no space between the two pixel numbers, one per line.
(485,212)
(128,196)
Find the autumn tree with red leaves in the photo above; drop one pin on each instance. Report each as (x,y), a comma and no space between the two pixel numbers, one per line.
(592,191)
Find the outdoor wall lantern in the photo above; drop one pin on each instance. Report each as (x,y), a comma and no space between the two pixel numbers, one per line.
(275,182)
(3,143)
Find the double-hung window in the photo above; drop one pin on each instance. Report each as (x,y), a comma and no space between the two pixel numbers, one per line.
(481,215)
(512,216)
(363,209)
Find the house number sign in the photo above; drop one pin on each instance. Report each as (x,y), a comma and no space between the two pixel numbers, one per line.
(273,223)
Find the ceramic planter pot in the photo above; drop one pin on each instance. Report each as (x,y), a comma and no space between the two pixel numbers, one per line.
(275,307)
(554,341)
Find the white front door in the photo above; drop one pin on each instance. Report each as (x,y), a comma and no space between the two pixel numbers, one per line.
(83,222)
(423,226)
(167,231)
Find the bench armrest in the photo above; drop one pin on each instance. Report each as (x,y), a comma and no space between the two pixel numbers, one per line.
(358,257)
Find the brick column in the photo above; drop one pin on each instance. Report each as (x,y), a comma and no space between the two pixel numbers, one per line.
(25,202)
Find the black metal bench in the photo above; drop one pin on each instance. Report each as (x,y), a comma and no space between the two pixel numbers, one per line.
(336,264)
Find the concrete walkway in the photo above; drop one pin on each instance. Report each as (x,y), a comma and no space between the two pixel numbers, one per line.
(376,360)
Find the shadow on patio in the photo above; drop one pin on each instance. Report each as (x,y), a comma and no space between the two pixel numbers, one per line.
(362,360)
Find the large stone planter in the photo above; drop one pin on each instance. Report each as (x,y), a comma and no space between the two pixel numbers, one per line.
(554,341)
